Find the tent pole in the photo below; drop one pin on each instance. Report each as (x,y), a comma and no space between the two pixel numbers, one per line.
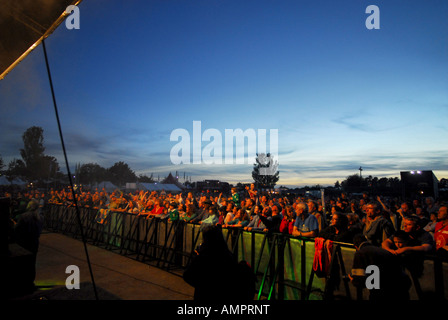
(68,169)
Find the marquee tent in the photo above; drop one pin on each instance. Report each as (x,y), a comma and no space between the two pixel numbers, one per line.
(107,185)
(158,187)
(18,182)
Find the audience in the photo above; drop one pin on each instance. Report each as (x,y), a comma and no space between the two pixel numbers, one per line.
(376,220)
(406,230)
(376,227)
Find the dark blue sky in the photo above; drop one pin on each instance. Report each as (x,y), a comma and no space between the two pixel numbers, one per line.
(340,95)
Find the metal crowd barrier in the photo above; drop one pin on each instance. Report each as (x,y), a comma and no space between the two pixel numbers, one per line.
(282,263)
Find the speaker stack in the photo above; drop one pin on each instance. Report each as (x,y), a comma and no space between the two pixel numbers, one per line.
(419,184)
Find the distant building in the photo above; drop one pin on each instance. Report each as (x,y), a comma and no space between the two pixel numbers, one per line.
(211,186)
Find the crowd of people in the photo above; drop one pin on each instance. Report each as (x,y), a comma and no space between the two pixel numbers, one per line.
(338,219)
(402,228)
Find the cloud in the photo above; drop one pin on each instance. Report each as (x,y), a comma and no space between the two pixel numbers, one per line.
(352,122)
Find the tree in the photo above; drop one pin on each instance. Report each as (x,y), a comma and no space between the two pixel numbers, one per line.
(374,185)
(33,150)
(16,168)
(2,164)
(265,172)
(120,173)
(146,179)
(48,167)
(353,181)
(383,182)
(90,173)
(35,165)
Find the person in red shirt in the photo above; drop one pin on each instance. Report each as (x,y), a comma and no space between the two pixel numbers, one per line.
(158,209)
(287,224)
(441,232)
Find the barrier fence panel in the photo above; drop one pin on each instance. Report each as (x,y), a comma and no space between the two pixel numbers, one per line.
(192,238)
(293,275)
(148,241)
(129,229)
(283,264)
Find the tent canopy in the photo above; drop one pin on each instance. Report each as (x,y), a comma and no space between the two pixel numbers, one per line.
(4,181)
(23,26)
(18,182)
(106,185)
(158,187)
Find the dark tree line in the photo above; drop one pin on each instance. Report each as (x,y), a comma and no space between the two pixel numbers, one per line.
(374,185)
(119,174)
(37,167)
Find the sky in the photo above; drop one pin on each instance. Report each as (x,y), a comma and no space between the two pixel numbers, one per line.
(340,95)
